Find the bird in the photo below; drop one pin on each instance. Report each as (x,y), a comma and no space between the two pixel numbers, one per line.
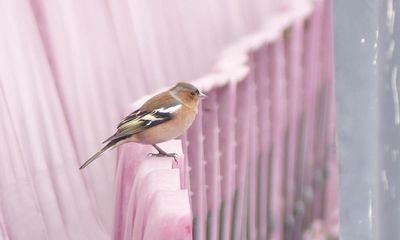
(165,116)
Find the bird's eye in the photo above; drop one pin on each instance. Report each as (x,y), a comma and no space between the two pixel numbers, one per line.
(197,92)
(192,93)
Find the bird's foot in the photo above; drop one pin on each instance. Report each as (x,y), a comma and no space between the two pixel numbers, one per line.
(173,155)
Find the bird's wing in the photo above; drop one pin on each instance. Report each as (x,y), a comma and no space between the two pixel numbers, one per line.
(160,101)
(134,115)
(139,121)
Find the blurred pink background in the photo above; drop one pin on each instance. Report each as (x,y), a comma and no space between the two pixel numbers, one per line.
(68,71)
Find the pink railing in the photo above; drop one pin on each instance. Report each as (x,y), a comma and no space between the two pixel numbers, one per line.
(150,203)
(259,159)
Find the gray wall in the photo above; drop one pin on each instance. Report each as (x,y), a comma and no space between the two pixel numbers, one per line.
(368,119)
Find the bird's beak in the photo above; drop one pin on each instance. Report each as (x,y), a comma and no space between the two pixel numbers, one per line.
(202,95)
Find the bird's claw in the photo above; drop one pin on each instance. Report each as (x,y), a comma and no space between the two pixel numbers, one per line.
(173,155)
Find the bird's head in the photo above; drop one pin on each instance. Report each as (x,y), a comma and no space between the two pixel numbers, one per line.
(188,93)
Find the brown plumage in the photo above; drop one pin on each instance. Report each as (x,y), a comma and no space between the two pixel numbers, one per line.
(163,117)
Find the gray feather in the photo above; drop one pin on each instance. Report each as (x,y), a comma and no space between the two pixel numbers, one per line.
(107,147)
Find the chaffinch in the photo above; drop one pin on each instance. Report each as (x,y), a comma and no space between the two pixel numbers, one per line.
(163,117)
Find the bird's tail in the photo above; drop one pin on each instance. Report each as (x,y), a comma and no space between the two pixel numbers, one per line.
(107,147)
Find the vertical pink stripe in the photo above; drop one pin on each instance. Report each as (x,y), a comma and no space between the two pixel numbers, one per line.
(198,181)
(253,152)
(279,105)
(293,54)
(264,136)
(226,99)
(211,132)
(242,145)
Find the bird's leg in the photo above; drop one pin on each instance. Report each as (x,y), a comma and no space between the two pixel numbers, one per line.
(162,153)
